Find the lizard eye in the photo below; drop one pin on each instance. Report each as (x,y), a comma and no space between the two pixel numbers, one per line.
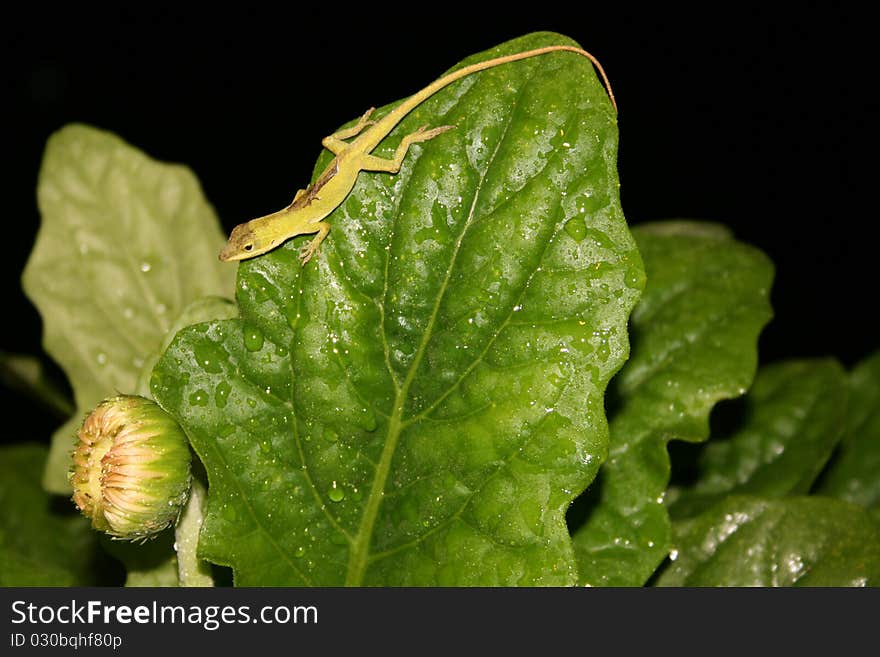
(248,247)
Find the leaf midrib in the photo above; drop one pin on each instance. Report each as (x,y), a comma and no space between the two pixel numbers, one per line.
(360,546)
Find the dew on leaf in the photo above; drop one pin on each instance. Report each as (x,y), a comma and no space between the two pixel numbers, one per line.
(291,313)
(253,338)
(199,398)
(209,356)
(576,228)
(221,394)
(336,493)
(368,420)
(634,278)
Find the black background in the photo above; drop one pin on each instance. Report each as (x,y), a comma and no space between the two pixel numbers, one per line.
(763,119)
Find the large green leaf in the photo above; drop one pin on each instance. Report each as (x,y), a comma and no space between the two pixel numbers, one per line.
(796,541)
(794,417)
(421,403)
(694,335)
(39,546)
(855,473)
(125,243)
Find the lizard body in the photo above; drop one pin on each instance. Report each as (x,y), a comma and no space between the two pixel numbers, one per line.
(306,213)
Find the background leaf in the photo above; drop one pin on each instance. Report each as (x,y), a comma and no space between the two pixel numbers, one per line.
(797,541)
(39,545)
(420,404)
(855,473)
(694,336)
(125,243)
(794,417)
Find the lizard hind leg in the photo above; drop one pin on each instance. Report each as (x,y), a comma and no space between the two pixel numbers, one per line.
(335,144)
(310,249)
(373,163)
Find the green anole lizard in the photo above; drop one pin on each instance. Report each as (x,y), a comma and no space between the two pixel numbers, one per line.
(305,215)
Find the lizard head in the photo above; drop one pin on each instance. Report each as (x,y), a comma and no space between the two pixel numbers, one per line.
(244,243)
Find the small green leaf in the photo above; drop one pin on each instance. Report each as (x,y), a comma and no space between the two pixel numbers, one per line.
(125,243)
(855,473)
(421,403)
(694,335)
(795,415)
(797,541)
(192,571)
(39,546)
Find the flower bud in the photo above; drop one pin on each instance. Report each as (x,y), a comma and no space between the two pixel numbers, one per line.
(131,468)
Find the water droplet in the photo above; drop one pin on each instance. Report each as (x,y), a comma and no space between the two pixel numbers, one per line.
(330,435)
(221,394)
(576,228)
(336,494)
(208,356)
(146,266)
(161,308)
(252,402)
(228,512)
(634,278)
(101,358)
(600,239)
(299,552)
(291,312)
(265,446)
(368,420)
(253,338)
(199,398)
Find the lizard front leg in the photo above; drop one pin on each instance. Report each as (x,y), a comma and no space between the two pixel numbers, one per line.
(373,163)
(306,252)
